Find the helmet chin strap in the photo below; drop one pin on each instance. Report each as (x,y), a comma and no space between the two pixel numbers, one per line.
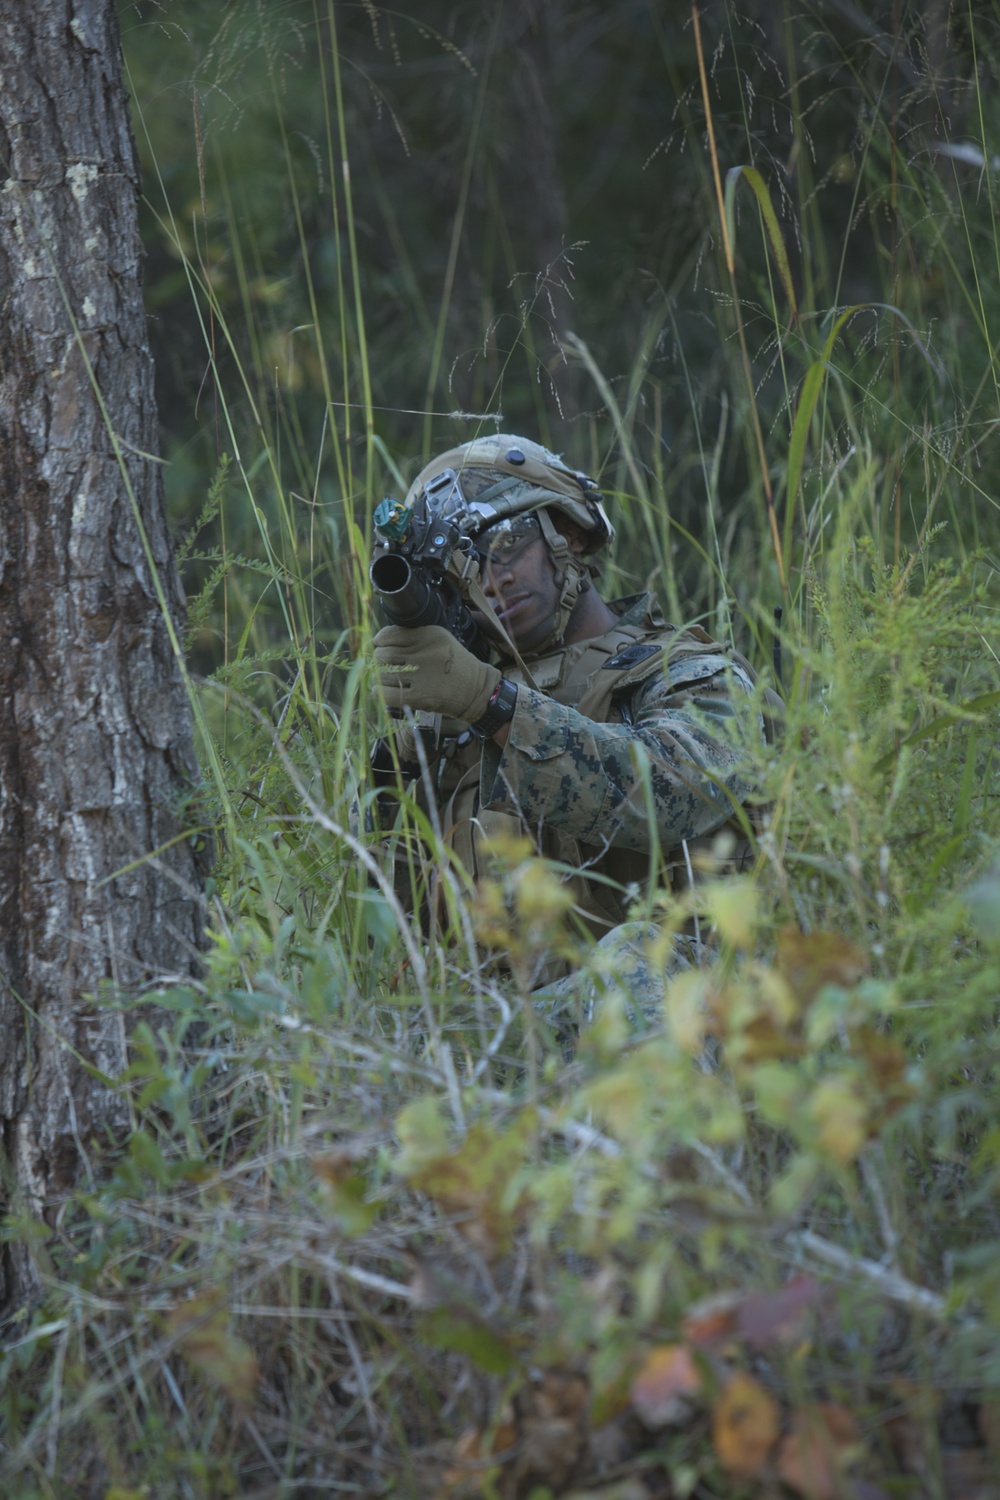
(572,576)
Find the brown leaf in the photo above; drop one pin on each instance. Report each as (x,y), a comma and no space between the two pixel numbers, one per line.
(551,1422)
(917,1418)
(760,1319)
(810,960)
(766,1318)
(334,1166)
(821,1445)
(345,1191)
(907,1438)
(712,1321)
(473,1183)
(887,1061)
(475,1453)
(745,1426)
(662,1392)
(201,1327)
(764,1040)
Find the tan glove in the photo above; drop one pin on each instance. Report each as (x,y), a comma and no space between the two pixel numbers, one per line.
(439,675)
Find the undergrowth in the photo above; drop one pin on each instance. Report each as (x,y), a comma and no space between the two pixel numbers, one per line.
(381,1227)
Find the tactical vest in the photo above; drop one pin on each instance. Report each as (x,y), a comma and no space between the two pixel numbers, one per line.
(597,677)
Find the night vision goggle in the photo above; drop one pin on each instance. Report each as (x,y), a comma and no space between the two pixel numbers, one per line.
(428,554)
(443,504)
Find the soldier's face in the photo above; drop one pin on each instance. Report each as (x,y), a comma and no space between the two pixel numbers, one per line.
(522,588)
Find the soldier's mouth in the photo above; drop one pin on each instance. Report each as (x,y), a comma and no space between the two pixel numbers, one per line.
(511,606)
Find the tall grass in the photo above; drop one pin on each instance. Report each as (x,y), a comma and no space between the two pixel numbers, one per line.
(378,1229)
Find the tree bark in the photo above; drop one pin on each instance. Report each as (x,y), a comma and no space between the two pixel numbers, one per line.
(95,734)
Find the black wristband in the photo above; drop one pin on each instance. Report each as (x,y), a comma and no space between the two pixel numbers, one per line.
(499,710)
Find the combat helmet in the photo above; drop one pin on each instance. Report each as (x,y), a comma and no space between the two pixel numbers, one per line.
(504,476)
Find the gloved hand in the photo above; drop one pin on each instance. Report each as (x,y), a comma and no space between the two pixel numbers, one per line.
(444,678)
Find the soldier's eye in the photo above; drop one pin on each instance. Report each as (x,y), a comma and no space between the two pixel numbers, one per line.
(507,538)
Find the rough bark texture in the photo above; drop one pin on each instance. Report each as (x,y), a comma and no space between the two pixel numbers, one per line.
(95,738)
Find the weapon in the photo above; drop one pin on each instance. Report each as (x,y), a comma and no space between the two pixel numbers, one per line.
(429,560)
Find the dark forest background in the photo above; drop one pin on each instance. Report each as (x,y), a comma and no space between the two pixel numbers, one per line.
(523,177)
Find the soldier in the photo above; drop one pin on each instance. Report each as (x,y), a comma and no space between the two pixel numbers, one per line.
(600,731)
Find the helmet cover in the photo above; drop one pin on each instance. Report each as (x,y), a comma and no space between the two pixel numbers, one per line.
(507,475)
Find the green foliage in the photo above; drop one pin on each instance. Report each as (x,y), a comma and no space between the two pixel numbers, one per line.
(379,1225)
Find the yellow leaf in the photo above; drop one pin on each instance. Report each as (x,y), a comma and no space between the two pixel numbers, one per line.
(268,290)
(795,1185)
(619,1098)
(732,906)
(422,1135)
(887,1064)
(842,1117)
(540,895)
(745,1426)
(608,1032)
(201,1327)
(778,1087)
(777,995)
(476,1182)
(509,849)
(688,1000)
(491,919)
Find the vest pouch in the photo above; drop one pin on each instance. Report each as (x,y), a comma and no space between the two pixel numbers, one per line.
(465,824)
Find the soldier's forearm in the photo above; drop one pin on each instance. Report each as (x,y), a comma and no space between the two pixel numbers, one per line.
(557,767)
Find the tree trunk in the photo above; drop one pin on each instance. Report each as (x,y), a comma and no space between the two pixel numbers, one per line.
(95,736)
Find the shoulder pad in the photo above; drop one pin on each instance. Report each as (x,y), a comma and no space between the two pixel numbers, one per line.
(696,668)
(632,655)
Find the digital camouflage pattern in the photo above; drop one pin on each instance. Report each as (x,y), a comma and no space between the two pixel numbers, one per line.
(627,965)
(605,761)
(646,718)
(560,768)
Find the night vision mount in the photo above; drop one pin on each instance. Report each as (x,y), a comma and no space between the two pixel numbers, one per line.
(428,559)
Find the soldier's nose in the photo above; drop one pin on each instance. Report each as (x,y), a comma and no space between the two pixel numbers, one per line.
(493,579)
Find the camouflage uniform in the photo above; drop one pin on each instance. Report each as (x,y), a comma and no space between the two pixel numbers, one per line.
(643,716)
